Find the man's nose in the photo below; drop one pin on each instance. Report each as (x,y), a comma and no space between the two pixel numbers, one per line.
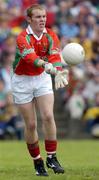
(42,18)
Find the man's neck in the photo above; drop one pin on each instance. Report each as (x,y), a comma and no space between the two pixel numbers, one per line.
(38,34)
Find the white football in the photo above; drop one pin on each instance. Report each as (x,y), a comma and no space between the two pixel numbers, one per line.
(73,53)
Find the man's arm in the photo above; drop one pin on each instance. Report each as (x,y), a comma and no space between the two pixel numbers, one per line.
(25,50)
(27,53)
(55,59)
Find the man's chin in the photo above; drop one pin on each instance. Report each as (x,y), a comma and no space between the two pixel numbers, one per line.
(42,27)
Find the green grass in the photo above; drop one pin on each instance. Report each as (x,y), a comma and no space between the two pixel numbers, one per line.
(79,158)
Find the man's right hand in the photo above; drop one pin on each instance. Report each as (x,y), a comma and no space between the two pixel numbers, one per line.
(49,68)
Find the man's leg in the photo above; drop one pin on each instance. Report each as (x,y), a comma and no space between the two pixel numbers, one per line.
(45,104)
(31,136)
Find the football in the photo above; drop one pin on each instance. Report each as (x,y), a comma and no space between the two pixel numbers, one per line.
(73,53)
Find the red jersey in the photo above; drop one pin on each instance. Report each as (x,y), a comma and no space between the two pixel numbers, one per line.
(30,49)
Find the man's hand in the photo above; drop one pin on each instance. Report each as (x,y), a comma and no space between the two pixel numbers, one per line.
(60,76)
(61,79)
(50,69)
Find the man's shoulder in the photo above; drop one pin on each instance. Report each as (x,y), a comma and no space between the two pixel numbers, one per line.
(21,36)
(50,31)
(23,33)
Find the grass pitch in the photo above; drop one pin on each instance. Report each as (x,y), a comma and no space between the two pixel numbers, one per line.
(79,158)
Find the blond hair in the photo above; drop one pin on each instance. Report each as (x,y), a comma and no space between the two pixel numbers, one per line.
(33,7)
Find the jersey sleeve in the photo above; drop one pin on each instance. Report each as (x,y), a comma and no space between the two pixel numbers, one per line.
(54,51)
(25,50)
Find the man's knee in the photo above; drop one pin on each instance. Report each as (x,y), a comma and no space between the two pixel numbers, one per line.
(47,116)
(31,126)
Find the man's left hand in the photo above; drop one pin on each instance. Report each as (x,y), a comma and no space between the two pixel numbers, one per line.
(61,79)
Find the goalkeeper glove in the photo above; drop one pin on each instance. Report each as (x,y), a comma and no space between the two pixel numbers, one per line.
(49,68)
(61,79)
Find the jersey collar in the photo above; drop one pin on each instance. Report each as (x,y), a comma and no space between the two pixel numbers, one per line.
(30,31)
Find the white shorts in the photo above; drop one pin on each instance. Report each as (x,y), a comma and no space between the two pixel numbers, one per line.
(25,88)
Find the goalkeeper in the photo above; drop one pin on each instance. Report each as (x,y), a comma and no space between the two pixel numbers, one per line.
(37,58)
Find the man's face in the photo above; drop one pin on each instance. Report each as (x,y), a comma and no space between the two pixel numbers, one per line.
(38,20)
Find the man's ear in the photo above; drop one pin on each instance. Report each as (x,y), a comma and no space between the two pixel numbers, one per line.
(28,19)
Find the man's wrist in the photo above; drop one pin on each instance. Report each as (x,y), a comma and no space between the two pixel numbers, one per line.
(39,63)
(43,64)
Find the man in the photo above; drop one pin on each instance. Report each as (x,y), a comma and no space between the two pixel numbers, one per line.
(38,56)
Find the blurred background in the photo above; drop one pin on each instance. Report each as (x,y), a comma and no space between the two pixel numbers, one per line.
(77,105)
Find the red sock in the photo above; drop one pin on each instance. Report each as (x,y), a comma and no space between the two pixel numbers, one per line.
(34,150)
(50,146)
